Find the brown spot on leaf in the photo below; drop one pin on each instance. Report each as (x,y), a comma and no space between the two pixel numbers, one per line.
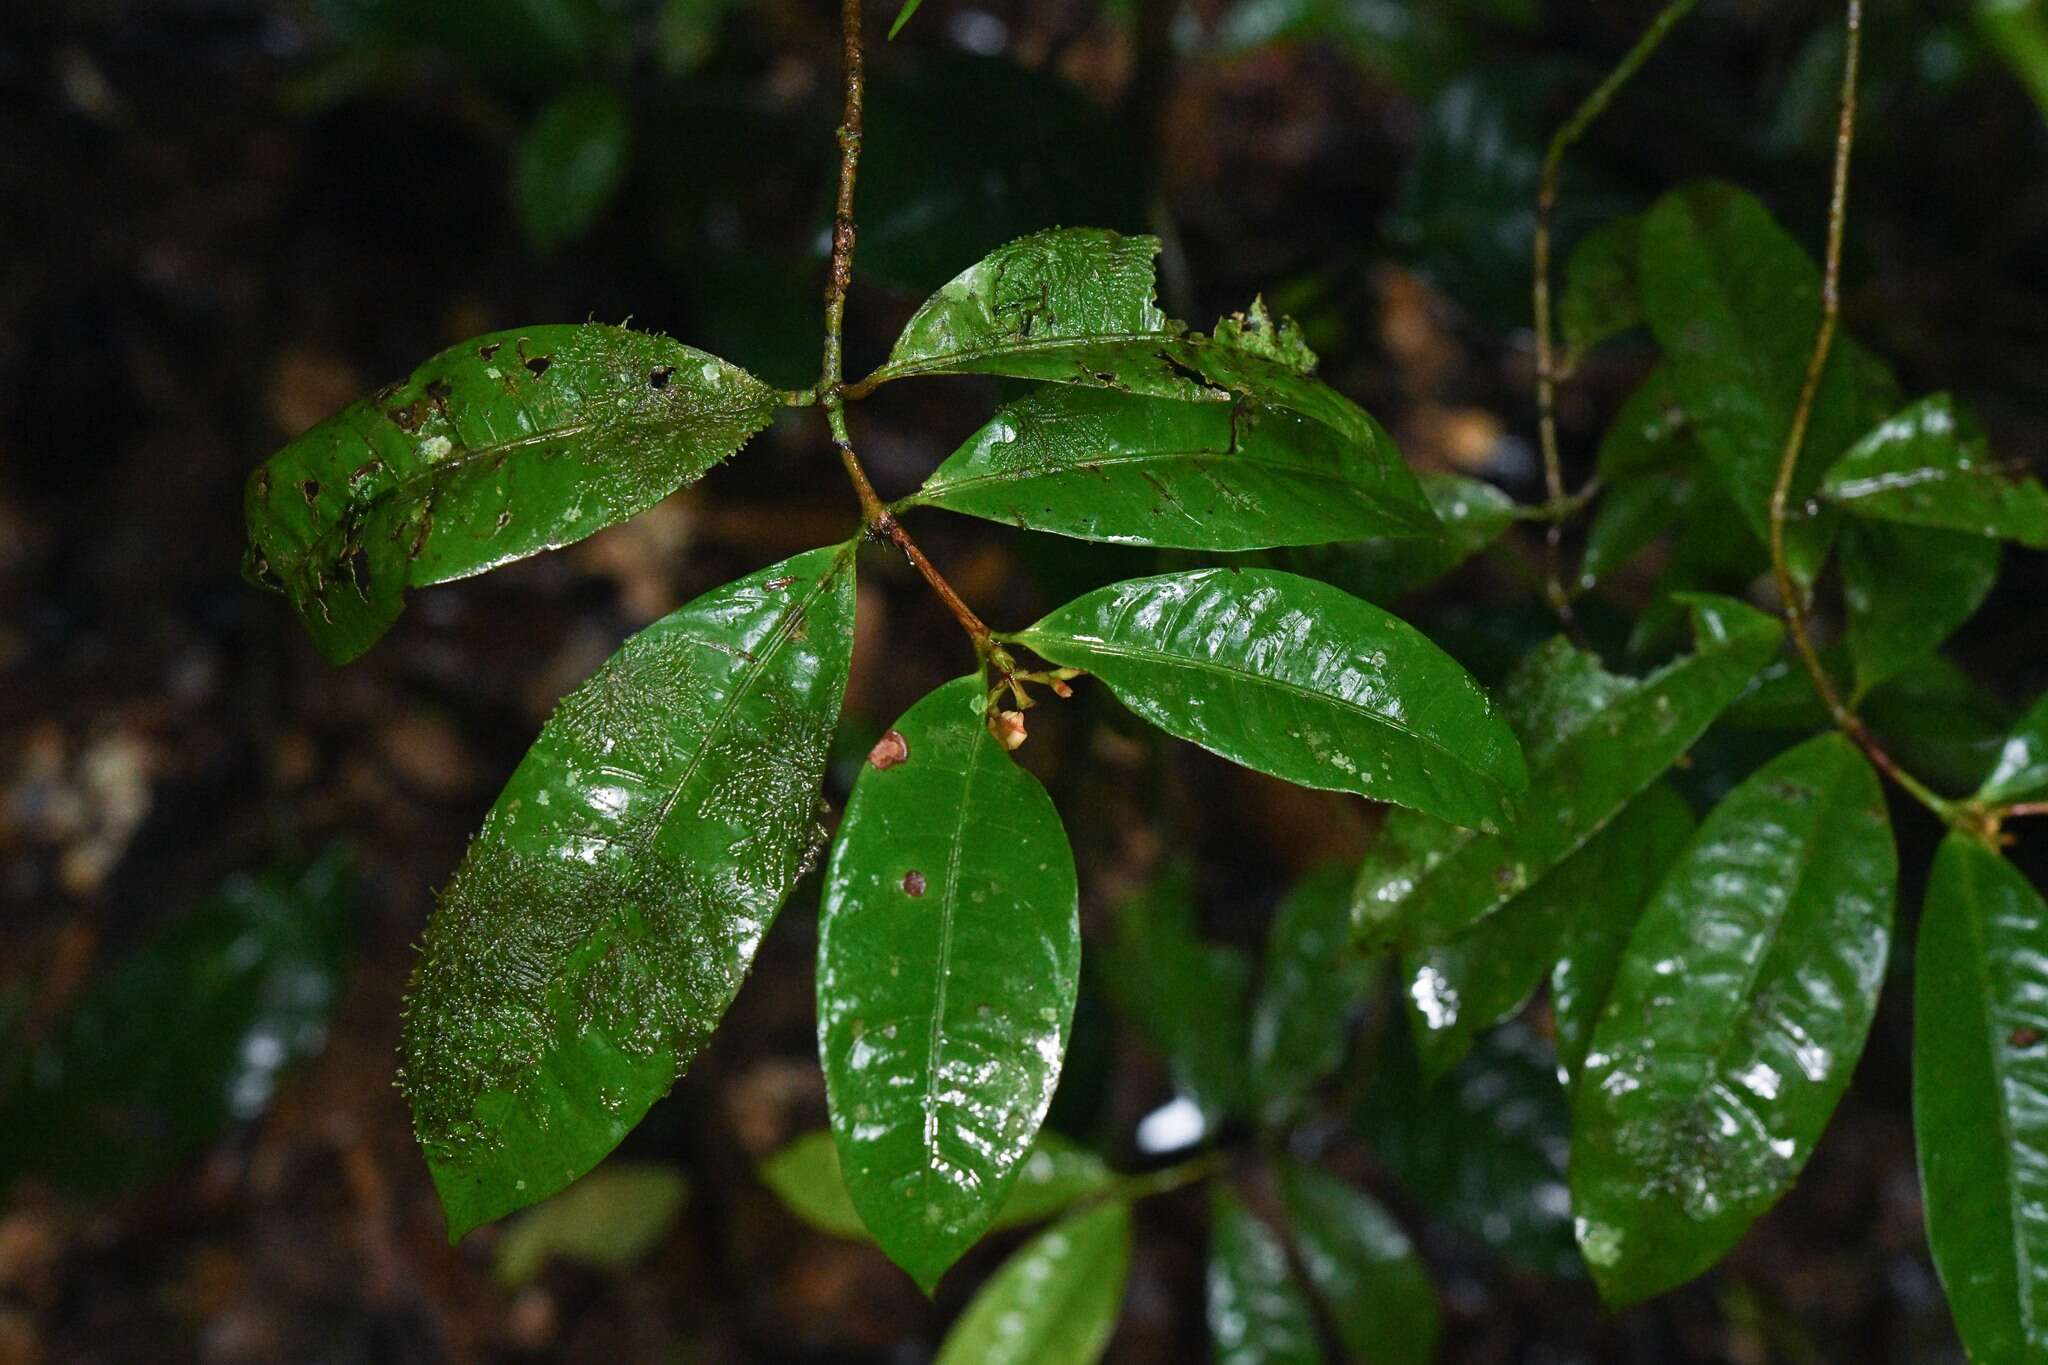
(658,377)
(310,491)
(913,883)
(504,519)
(438,391)
(889,750)
(2026,1035)
(777,584)
(538,365)
(263,484)
(419,535)
(486,352)
(369,469)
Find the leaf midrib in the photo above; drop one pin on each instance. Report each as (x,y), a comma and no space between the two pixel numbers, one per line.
(895,369)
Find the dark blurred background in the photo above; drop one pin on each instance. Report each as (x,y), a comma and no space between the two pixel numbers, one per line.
(222,219)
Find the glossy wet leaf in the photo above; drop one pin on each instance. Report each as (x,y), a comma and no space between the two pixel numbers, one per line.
(805,1176)
(1182,993)
(1103,465)
(1055,1300)
(1929,464)
(1736,1017)
(949,956)
(1734,301)
(1257,1313)
(1432,885)
(610,1220)
(607,913)
(1980,1098)
(499,448)
(1907,588)
(1363,1267)
(186,1034)
(1602,294)
(1465,985)
(1297,679)
(1629,518)
(1471,515)
(2021,773)
(1485,1147)
(1650,434)
(1311,986)
(570,164)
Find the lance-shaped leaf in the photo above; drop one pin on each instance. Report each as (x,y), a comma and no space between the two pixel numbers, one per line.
(1076,306)
(606,915)
(949,956)
(1056,1299)
(1929,464)
(1465,985)
(501,447)
(1363,1267)
(1629,518)
(1257,1314)
(1430,885)
(1183,994)
(1111,466)
(188,1034)
(805,1177)
(2021,773)
(1907,588)
(1312,986)
(1471,515)
(1734,302)
(1297,679)
(1737,1015)
(1980,1098)
(1650,434)
(1486,1147)
(1603,294)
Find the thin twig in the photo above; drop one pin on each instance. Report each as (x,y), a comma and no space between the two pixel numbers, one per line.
(1558,505)
(1789,591)
(831,389)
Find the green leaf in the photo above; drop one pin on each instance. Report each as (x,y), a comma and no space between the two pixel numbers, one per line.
(1907,588)
(537,42)
(805,1176)
(499,448)
(1054,1302)
(903,17)
(1735,302)
(1257,1315)
(1485,1148)
(570,164)
(1929,464)
(1603,294)
(1736,1017)
(949,957)
(2018,31)
(609,1219)
(1076,306)
(1183,994)
(2021,773)
(1650,435)
(1312,986)
(188,1033)
(1428,887)
(1471,515)
(1364,1269)
(1629,518)
(1465,985)
(1587,952)
(603,920)
(1102,465)
(1980,1098)
(1297,679)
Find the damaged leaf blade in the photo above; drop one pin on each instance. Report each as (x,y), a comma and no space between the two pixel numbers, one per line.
(1297,679)
(499,448)
(607,913)
(1737,1015)
(949,959)
(1101,465)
